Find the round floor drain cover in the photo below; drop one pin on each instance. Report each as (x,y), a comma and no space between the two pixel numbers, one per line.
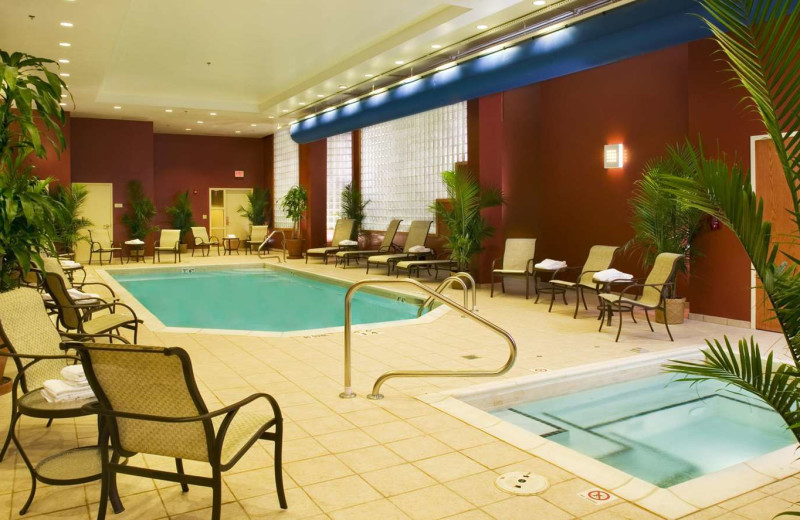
(522,483)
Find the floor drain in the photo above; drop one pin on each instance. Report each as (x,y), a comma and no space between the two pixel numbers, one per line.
(471,356)
(522,483)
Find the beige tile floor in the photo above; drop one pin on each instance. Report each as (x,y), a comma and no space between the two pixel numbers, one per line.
(359,459)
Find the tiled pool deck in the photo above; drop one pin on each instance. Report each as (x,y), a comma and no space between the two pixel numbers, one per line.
(397,458)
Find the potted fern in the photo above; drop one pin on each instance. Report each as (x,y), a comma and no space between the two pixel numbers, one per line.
(180,215)
(141,212)
(353,206)
(295,203)
(663,223)
(461,214)
(257,206)
(69,225)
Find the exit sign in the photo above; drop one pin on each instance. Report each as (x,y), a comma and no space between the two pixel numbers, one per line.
(238,174)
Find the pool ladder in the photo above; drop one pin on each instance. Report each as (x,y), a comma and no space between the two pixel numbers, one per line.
(447,282)
(264,245)
(433,295)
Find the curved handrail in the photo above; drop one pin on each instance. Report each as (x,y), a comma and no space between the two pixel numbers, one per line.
(448,282)
(264,243)
(348,392)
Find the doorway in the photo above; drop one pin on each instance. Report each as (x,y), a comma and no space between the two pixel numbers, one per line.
(99,209)
(770,184)
(224,217)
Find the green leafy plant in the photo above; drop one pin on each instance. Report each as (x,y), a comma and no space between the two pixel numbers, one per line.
(27,214)
(141,212)
(180,214)
(760,40)
(68,222)
(661,221)
(461,213)
(353,206)
(295,204)
(30,92)
(257,206)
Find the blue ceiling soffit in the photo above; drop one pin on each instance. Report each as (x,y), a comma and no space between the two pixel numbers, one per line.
(624,32)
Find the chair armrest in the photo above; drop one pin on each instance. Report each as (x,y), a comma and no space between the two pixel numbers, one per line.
(494,262)
(80,338)
(530,265)
(83,284)
(157,243)
(213,239)
(112,307)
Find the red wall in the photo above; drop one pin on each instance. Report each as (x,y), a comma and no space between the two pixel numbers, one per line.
(313,164)
(198,163)
(54,164)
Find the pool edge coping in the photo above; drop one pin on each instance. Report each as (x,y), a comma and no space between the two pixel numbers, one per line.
(672,502)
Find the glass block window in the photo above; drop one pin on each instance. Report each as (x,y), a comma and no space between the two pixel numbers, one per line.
(340,173)
(286,173)
(402,162)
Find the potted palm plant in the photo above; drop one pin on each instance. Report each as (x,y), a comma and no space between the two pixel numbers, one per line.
(461,214)
(663,223)
(141,212)
(180,216)
(353,206)
(30,94)
(295,203)
(68,222)
(257,206)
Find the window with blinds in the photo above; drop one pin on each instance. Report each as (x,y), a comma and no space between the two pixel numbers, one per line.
(286,173)
(340,173)
(402,162)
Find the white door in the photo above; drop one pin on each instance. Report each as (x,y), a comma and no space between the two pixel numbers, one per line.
(236,224)
(99,209)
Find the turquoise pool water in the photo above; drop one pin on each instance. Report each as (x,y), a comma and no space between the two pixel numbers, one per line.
(662,431)
(254,299)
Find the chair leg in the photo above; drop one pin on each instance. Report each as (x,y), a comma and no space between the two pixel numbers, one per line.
(632,316)
(90,256)
(603,321)
(583,297)
(647,315)
(179,467)
(619,330)
(552,297)
(578,296)
(216,489)
(527,286)
(278,464)
(503,284)
(491,292)
(12,425)
(666,324)
(49,422)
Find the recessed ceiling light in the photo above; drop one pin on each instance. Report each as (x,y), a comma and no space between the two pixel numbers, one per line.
(301,103)
(279,127)
(320,96)
(482,27)
(272,117)
(117,107)
(399,62)
(188,129)
(238,132)
(199,122)
(212,113)
(436,46)
(409,79)
(285,111)
(447,66)
(342,87)
(63,104)
(64,74)
(63,60)
(252,124)
(169,110)
(368,75)
(539,2)
(63,95)
(65,44)
(66,24)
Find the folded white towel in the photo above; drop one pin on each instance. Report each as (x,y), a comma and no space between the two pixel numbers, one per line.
(348,243)
(73,374)
(85,298)
(551,265)
(67,264)
(134,242)
(58,391)
(419,249)
(231,236)
(611,274)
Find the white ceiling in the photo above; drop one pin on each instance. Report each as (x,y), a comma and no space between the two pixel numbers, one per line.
(247,61)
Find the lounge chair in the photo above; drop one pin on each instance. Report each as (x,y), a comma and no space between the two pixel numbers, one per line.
(203,241)
(54,265)
(387,246)
(257,236)
(32,341)
(600,258)
(417,235)
(444,263)
(80,315)
(652,293)
(168,242)
(101,244)
(150,404)
(517,262)
(342,231)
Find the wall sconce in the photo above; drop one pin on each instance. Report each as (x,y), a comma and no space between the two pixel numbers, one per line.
(613,155)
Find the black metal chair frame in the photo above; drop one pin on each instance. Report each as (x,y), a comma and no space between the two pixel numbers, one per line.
(100,250)
(527,274)
(111,466)
(176,251)
(206,246)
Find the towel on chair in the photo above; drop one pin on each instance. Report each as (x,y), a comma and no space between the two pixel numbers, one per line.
(551,265)
(58,391)
(610,275)
(74,374)
(419,249)
(67,264)
(348,243)
(82,297)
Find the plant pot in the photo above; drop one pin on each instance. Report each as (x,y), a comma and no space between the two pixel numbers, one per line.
(294,247)
(676,308)
(184,248)
(5,382)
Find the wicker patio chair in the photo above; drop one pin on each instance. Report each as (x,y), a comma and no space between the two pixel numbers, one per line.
(101,244)
(203,241)
(32,341)
(169,241)
(81,316)
(257,236)
(599,259)
(517,262)
(387,245)
(342,231)
(652,294)
(417,235)
(151,405)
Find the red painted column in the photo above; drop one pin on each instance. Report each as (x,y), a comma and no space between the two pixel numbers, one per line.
(313,174)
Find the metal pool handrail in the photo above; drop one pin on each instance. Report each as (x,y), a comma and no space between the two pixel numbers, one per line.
(264,243)
(448,282)
(348,392)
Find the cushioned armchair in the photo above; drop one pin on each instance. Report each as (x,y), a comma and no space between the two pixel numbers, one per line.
(204,242)
(169,241)
(151,405)
(517,262)
(599,259)
(101,244)
(651,295)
